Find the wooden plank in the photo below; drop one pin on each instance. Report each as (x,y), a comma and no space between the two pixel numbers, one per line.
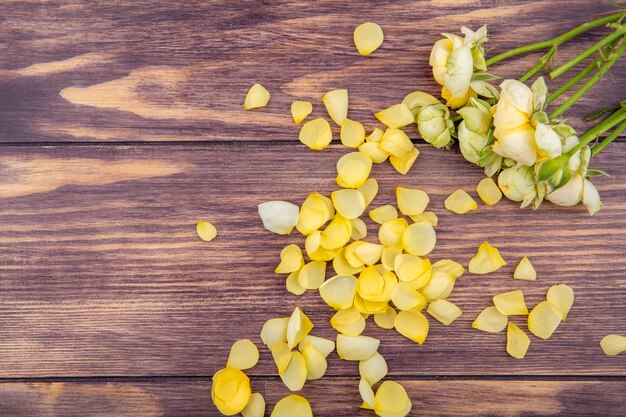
(337,397)
(176,71)
(102,272)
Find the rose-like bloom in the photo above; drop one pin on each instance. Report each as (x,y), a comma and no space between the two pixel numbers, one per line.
(517,182)
(518,124)
(473,131)
(453,60)
(434,124)
(570,194)
(230,391)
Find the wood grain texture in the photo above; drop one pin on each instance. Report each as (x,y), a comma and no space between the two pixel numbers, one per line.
(106,276)
(175,71)
(337,397)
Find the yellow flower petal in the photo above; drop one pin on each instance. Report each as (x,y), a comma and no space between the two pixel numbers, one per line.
(373,369)
(298,327)
(367,394)
(313,247)
(316,134)
(419,239)
(439,285)
(374,286)
(395,142)
(487,260)
(323,346)
(490,320)
(403,163)
(460,202)
(359,229)
(349,203)
(525,270)
(369,253)
(412,324)
(314,212)
(427,216)
(300,110)
(390,233)
(448,265)
(343,267)
(338,292)
(389,255)
(369,189)
(230,391)
(613,344)
(517,341)
(488,191)
(356,348)
(293,285)
(352,133)
(279,216)
(315,362)
(257,97)
(349,322)
(290,260)
(391,400)
(375,136)
(206,231)
(292,406)
(412,269)
(398,115)
(544,319)
(372,149)
(368,37)
(336,102)
(383,214)
(338,232)
(295,375)
(282,354)
(312,275)
(444,311)
(562,297)
(351,256)
(255,407)
(353,169)
(418,99)
(243,355)
(411,202)
(274,331)
(386,320)
(405,297)
(510,303)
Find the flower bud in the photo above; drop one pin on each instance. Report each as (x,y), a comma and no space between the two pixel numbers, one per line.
(518,183)
(434,124)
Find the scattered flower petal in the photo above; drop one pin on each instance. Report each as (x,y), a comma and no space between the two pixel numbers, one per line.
(412,269)
(395,142)
(291,260)
(373,369)
(403,163)
(439,286)
(488,191)
(383,214)
(525,270)
(349,322)
(315,211)
(352,133)
(349,203)
(460,202)
(255,407)
(338,292)
(316,134)
(490,320)
(257,97)
(444,311)
(511,303)
(243,355)
(315,362)
(517,341)
(544,319)
(367,394)
(295,375)
(336,102)
(368,37)
(613,344)
(398,115)
(293,285)
(274,331)
(390,233)
(386,320)
(412,325)
(300,110)
(391,400)
(206,231)
(282,354)
(298,327)
(427,216)
(419,239)
(411,202)
(487,260)
(312,275)
(353,169)
(405,297)
(356,348)
(369,189)
(279,216)
(337,233)
(359,229)
(292,406)
(561,297)
(323,346)
(448,265)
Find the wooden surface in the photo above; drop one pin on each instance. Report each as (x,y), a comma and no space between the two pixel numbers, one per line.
(121,126)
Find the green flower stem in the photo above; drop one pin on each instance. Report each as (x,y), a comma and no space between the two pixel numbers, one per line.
(597,148)
(594,65)
(598,129)
(591,82)
(559,40)
(540,65)
(619,32)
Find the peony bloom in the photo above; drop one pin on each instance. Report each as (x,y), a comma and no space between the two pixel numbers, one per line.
(434,124)
(454,59)
(475,138)
(518,183)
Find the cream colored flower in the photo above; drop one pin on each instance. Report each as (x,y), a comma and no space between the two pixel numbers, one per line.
(518,184)
(434,124)
(475,138)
